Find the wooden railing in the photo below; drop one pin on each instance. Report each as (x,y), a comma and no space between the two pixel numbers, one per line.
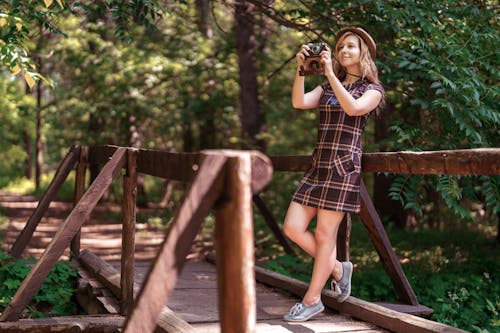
(225,181)
(220,179)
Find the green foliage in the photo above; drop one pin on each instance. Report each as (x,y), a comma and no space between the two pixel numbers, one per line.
(55,296)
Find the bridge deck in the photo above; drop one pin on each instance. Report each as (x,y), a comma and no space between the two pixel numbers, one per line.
(195,300)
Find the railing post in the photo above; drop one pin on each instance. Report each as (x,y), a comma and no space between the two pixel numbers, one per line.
(344,238)
(80,173)
(235,249)
(128,233)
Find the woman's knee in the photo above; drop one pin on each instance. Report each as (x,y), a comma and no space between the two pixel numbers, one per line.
(327,226)
(292,229)
(297,219)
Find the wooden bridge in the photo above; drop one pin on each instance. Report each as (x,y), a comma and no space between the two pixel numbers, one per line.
(227,182)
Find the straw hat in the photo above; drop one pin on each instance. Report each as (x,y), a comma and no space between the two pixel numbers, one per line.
(372,47)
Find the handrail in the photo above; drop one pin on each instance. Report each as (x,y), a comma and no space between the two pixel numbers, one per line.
(479,161)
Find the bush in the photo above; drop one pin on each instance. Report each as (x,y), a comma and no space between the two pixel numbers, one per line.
(56,295)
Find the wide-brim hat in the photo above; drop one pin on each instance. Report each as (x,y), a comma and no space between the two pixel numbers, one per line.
(372,47)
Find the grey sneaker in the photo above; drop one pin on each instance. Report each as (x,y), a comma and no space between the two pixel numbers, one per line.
(342,288)
(301,312)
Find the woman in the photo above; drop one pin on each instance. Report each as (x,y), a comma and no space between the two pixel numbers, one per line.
(330,188)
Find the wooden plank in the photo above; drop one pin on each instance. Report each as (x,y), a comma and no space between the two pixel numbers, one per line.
(100,155)
(160,281)
(60,176)
(175,166)
(128,233)
(366,311)
(481,161)
(416,310)
(381,242)
(234,247)
(63,237)
(168,321)
(87,324)
(272,224)
(81,169)
(104,272)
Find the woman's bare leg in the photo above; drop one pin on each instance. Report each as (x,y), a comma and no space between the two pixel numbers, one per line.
(326,242)
(297,220)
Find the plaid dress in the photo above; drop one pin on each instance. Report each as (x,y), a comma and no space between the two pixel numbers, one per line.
(333,180)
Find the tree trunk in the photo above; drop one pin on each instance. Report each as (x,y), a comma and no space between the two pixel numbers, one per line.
(28,147)
(207,120)
(251,118)
(39,144)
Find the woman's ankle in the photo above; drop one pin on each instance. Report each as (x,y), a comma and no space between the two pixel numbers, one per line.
(338,271)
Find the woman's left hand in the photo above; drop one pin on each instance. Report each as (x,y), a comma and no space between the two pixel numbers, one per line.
(326,58)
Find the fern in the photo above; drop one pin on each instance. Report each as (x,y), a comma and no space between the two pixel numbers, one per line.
(451,192)
(407,190)
(490,190)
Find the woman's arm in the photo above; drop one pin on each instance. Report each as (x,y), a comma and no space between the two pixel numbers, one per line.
(300,99)
(354,107)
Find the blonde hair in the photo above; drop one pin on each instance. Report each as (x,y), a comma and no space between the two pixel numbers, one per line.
(368,67)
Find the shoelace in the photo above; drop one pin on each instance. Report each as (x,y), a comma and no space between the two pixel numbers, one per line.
(337,290)
(297,308)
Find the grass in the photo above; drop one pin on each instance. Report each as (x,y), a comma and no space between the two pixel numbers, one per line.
(454,271)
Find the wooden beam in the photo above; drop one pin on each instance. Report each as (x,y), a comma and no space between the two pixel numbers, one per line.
(234,247)
(272,224)
(168,321)
(60,176)
(163,164)
(366,311)
(128,233)
(63,237)
(76,324)
(482,161)
(381,242)
(104,272)
(81,169)
(162,277)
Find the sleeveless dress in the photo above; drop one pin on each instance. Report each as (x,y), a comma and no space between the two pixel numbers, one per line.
(333,180)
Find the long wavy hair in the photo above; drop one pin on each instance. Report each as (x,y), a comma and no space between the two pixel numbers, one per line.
(368,67)
(369,70)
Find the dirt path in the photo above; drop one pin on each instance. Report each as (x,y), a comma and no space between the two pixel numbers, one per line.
(101,234)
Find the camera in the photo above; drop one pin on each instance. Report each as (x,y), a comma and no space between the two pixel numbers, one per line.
(312,64)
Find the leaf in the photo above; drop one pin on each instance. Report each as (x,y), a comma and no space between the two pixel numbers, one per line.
(3,22)
(15,70)
(48,3)
(60,3)
(29,79)
(19,26)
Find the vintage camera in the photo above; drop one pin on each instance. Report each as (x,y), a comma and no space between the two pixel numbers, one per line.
(312,63)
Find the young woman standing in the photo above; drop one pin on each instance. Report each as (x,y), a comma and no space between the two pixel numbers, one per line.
(330,188)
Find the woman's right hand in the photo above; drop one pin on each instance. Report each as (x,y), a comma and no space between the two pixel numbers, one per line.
(301,55)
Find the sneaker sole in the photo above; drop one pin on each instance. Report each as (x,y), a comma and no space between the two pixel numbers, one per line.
(343,298)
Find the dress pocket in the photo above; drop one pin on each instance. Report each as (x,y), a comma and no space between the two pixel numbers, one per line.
(344,164)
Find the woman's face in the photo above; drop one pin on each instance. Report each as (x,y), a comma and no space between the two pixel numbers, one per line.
(348,51)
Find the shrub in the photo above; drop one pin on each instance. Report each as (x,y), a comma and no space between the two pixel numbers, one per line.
(55,296)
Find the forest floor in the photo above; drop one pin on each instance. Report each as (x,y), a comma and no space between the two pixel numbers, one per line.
(101,233)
